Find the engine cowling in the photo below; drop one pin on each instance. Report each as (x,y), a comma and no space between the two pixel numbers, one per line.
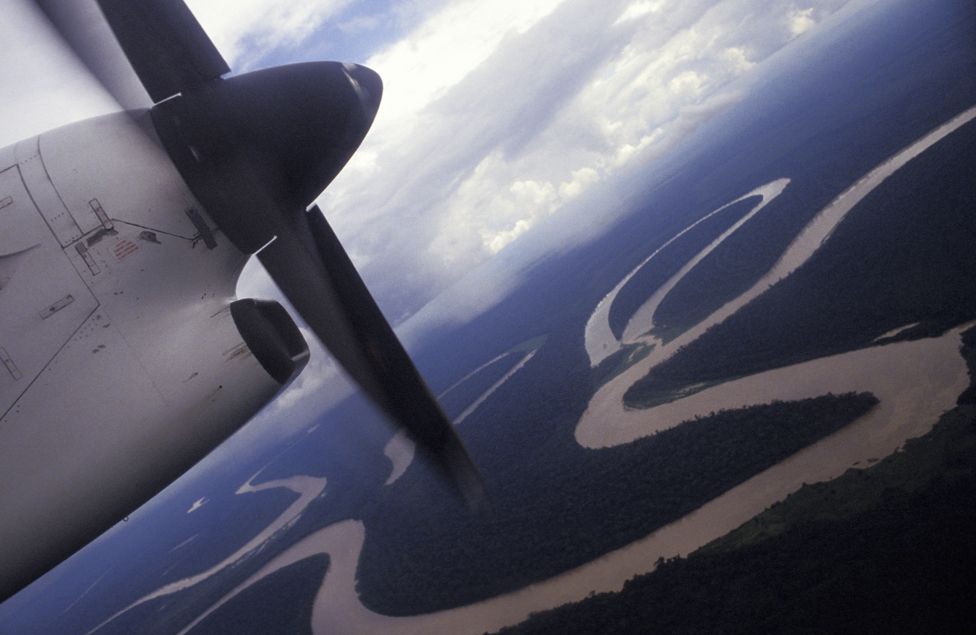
(272,337)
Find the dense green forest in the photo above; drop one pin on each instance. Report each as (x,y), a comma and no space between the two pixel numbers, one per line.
(418,555)
(905,566)
(731,268)
(670,259)
(884,549)
(822,127)
(550,518)
(904,255)
(465,393)
(280,604)
(618,362)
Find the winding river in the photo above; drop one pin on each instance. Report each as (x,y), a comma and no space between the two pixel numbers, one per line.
(308,489)
(915,382)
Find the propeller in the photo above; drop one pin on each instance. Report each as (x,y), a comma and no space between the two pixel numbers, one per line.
(256,150)
(314,272)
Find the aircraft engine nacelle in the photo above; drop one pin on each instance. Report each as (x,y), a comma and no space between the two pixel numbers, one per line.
(125,357)
(272,337)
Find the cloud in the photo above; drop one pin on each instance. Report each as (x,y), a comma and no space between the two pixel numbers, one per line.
(447,47)
(801,21)
(360,24)
(498,118)
(640,9)
(496,115)
(475,145)
(246,30)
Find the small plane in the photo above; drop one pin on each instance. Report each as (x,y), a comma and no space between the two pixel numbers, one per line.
(125,356)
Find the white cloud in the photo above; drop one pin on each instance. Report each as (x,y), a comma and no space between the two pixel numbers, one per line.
(738,58)
(689,83)
(640,9)
(581,179)
(497,117)
(446,48)
(245,30)
(475,146)
(360,24)
(801,21)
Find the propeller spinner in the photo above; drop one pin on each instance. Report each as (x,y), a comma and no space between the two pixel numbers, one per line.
(256,150)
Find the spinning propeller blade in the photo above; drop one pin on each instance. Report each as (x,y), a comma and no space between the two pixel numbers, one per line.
(256,150)
(311,268)
(143,51)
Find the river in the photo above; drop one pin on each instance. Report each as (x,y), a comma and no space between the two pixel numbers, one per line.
(915,382)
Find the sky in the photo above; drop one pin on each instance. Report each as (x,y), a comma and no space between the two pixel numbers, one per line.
(500,120)
(495,116)
(498,115)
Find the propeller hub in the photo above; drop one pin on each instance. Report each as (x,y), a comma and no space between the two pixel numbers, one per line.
(258,148)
